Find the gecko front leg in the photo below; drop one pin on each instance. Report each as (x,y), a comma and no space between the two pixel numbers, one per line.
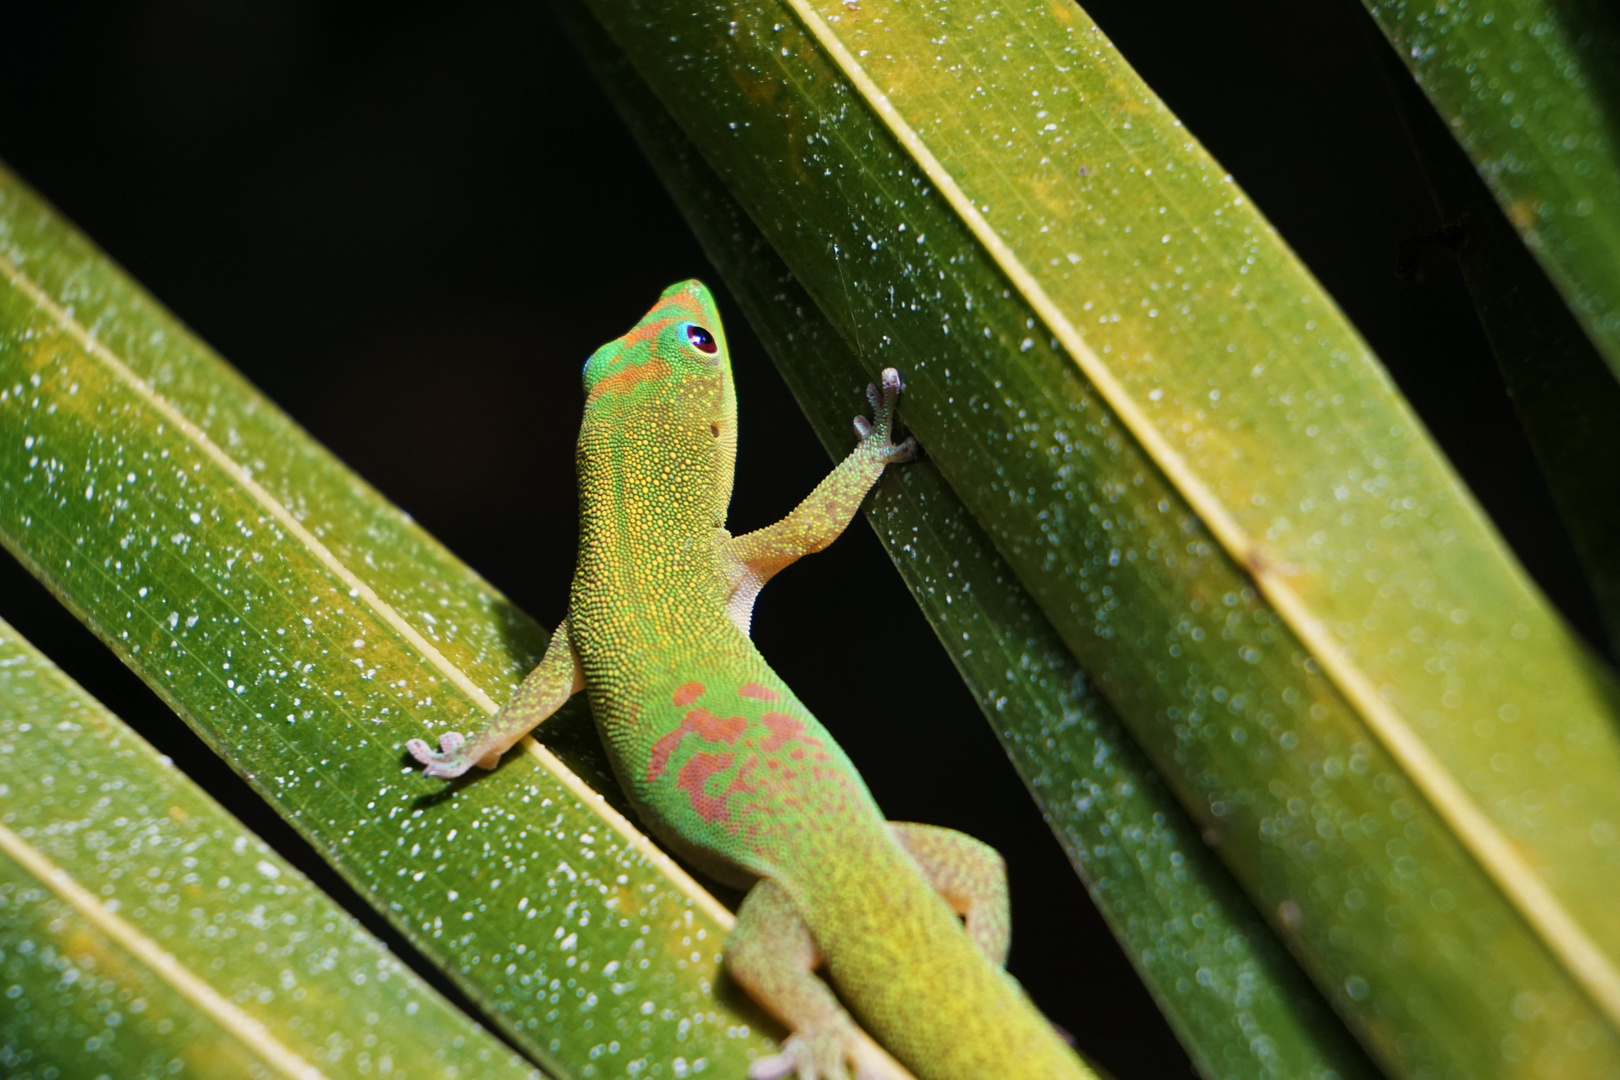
(553,681)
(754,558)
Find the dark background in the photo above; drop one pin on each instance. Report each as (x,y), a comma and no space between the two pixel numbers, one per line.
(409,224)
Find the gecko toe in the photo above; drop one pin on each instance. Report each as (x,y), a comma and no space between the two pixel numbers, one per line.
(798,1059)
(420,751)
(906,451)
(884,399)
(445,761)
(775,1067)
(883,396)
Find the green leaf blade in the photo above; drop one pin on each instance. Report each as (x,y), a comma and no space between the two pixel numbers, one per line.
(144,926)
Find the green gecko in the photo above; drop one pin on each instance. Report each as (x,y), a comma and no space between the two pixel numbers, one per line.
(723,763)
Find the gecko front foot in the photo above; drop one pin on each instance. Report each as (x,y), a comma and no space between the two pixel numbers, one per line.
(879,431)
(448,761)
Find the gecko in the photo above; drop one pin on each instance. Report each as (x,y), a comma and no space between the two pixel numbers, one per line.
(727,768)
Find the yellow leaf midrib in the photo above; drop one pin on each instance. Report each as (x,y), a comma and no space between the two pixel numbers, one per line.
(1562,933)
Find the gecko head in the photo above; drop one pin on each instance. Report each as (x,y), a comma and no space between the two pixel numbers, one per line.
(672,373)
(677,347)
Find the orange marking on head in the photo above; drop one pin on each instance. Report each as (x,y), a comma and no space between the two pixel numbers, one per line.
(686,693)
(744,780)
(687,300)
(661,751)
(625,378)
(694,775)
(645,332)
(757,692)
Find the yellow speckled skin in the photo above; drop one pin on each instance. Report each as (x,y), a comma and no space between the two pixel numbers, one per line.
(727,767)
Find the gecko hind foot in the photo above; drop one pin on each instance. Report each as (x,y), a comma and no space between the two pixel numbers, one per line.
(446,761)
(822,1057)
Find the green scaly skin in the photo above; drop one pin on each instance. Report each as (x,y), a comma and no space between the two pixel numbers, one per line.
(727,767)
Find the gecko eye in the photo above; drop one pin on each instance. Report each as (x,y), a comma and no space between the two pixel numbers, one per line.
(700,339)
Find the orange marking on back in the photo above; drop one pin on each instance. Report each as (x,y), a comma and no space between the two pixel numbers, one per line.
(694,774)
(757,692)
(715,728)
(686,693)
(784,729)
(625,378)
(661,751)
(705,724)
(744,780)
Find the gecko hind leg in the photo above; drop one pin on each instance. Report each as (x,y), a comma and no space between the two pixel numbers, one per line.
(773,958)
(553,681)
(970,875)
